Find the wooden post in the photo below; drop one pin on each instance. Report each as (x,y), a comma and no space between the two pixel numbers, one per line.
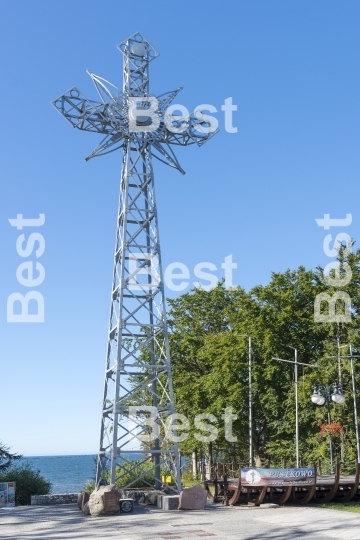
(226,485)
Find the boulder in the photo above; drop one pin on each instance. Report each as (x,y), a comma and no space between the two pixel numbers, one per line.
(86,509)
(193,498)
(151,497)
(97,504)
(82,498)
(85,498)
(165,488)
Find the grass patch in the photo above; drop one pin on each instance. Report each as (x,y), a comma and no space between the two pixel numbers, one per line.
(345,507)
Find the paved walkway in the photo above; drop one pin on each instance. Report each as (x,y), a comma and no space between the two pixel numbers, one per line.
(66,522)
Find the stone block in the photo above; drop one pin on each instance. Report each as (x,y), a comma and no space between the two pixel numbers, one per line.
(63,498)
(111,502)
(193,498)
(170,502)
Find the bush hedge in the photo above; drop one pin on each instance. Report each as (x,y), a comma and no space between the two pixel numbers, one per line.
(28,482)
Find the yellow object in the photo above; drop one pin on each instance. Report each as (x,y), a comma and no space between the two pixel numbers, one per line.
(166,479)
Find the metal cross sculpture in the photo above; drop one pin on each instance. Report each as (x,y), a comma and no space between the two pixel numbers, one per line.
(138,380)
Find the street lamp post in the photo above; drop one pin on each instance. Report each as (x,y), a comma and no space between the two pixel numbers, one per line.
(355,407)
(322,394)
(296,407)
(250,400)
(250,406)
(352,357)
(296,364)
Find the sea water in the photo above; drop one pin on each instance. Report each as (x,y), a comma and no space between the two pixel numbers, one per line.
(67,474)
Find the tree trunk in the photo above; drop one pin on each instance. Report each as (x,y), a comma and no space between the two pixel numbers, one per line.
(208,461)
(194,464)
(257,460)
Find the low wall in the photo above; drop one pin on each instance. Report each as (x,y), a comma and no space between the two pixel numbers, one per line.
(64,498)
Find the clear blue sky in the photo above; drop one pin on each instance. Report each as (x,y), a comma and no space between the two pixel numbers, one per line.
(292,68)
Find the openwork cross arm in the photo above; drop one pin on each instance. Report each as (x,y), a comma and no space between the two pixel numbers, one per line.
(138,400)
(134,114)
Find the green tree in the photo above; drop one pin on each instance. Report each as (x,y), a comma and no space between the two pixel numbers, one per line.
(6,457)
(204,354)
(209,359)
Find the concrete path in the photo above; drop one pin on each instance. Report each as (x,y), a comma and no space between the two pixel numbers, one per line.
(66,522)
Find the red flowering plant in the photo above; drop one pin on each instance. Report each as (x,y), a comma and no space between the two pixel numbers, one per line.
(331,429)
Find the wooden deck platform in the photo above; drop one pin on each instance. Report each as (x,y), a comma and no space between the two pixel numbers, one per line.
(335,488)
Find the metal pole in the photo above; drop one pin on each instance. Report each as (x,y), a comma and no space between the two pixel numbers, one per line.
(250,407)
(121,236)
(156,453)
(296,364)
(297,411)
(251,458)
(339,358)
(355,407)
(329,422)
(351,356)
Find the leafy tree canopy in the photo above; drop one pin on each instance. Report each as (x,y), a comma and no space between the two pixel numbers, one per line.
(6,457)
(209,352)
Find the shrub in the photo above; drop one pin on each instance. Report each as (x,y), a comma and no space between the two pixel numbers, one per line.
(28,482)
(89,486)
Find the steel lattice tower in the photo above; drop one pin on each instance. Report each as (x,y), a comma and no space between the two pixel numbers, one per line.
(138,370)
